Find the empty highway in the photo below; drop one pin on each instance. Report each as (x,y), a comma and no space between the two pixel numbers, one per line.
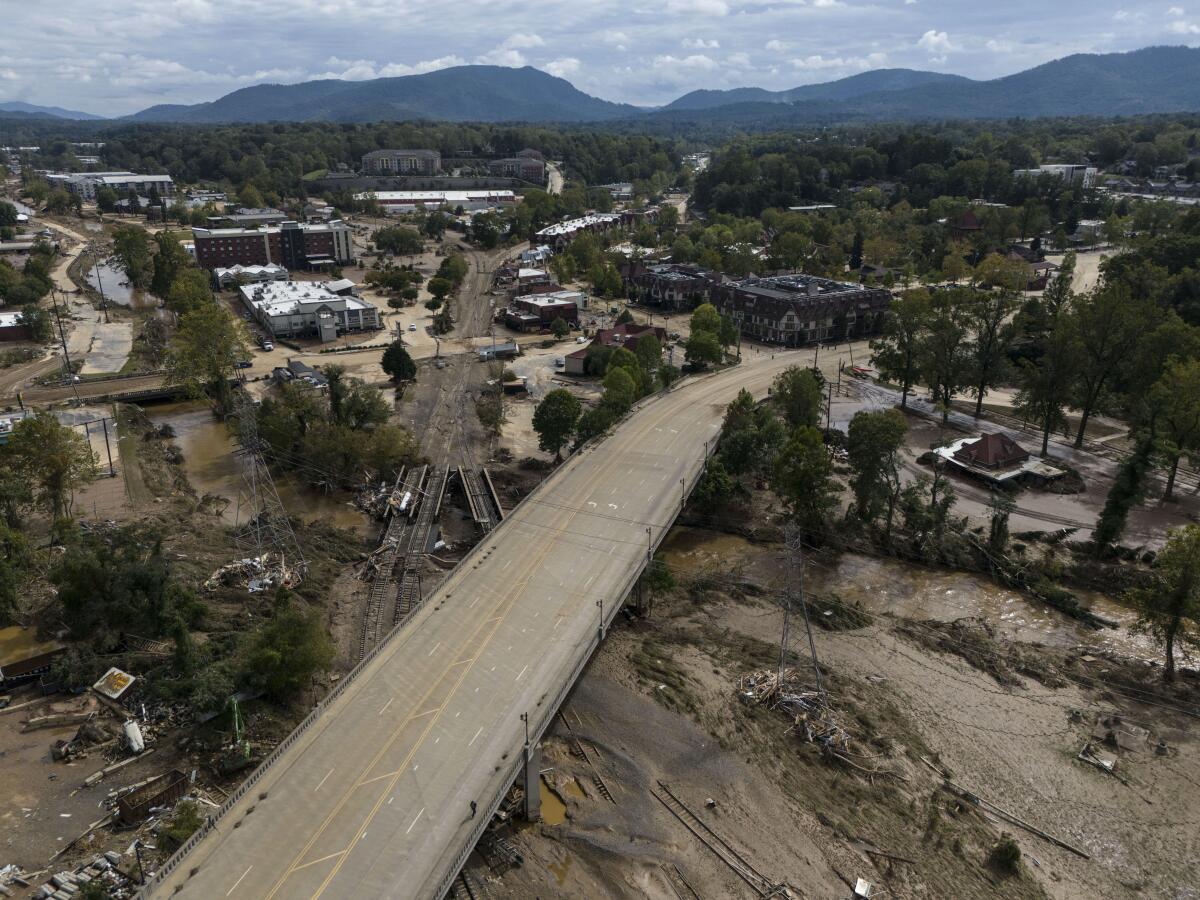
(373,800)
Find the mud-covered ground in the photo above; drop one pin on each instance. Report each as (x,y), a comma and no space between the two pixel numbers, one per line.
(1002,718)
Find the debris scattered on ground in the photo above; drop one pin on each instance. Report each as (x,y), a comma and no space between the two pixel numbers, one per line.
(256,573)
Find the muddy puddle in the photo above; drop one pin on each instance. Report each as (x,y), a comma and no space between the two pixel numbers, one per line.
(113,284)
(212,466)
(890,585)
(554,811)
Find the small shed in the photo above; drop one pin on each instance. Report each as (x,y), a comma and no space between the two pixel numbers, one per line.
(991,451)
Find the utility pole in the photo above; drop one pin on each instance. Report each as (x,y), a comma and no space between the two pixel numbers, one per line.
(66,354)
(828,404)
(816,353)
(99,283)
(682,493)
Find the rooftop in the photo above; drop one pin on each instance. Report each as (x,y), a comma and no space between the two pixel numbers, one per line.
(795,287)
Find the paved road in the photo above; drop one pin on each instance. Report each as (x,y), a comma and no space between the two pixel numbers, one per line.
(373,800)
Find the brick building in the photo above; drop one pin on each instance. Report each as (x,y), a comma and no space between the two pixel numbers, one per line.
(291,244)
(533,313)
(673,285)
(801,309)
(524,167)
(402,162)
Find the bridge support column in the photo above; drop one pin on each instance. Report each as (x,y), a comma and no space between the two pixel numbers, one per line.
(533,782)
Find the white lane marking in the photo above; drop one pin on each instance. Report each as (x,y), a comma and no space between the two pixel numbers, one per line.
(390,799)
(385,706)
(414,821)
(364,836)
(506,565)
(523,671)
(477,734)
(416,766)
(435,648)
(436,739)
(322,781)
(239,881)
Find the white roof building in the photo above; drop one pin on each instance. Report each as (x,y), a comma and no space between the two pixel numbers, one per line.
(408,201)
(249,274)
(304,308)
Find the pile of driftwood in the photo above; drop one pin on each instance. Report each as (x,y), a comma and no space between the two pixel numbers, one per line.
(809,712)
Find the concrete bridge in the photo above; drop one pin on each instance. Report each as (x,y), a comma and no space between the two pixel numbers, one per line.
(372,795)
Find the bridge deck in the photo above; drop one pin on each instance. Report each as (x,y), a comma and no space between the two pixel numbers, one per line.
(372,798)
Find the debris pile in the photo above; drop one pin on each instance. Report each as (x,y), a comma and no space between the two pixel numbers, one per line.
(807,709)
(117,876)
(375,500)
(256,573)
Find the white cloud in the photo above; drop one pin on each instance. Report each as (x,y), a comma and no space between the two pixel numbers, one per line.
(775,46)
(698,7)
(936,42)
(819,62)
(1181,26)
(699,44)
(393,70)
(738,60)
(696,61)
(1175,11)
(523,42)
(567,65)
(514,59)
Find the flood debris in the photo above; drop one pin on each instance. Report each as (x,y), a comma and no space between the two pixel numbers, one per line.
(810,714)
(257,573)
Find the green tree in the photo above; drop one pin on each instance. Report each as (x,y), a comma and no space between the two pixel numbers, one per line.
(648,351)
(399,240)
(1169,608)
(992,335)
(802,478)
(204,352)
(170,260)
(37,320)
(440,288)
(898,350)
(288,651)
(555,419)
(1045,383)
(1176,397)
(132,250)
(190,289)
(250,197)
(398,364)
(876,447)
(619,391)
(55,460)
(703,348)
(1126,492)
(797,391)
(1108,323)
(706,318)
(943,354)
(559,328)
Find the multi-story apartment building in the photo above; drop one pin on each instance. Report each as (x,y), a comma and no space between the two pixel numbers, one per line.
(801,309)
(292,244)
(1081,175)
(85,184)
(673,285)
(402,162)
(526,168)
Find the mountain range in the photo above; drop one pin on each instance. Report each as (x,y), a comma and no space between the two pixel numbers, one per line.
(1151,80)
(17,109)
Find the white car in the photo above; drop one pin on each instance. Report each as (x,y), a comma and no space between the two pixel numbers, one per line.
(412,327)
(581,340)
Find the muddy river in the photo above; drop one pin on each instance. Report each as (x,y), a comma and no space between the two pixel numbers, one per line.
(212,467)
(890,585)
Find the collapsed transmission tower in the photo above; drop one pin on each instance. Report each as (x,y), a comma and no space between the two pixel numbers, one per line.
(263,530)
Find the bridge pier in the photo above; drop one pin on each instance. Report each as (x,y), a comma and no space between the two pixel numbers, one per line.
(533,782)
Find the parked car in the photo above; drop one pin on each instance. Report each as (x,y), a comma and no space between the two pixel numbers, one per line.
(560,363)
(244,364)
(412,327)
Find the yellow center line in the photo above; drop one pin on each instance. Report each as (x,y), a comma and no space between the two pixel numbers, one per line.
(321,860)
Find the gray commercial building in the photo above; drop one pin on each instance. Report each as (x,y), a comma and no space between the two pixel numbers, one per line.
(801,309)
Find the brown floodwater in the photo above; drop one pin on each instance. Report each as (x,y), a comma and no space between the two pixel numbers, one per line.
(117,289)
(554,811)
(894,586)
(212,465)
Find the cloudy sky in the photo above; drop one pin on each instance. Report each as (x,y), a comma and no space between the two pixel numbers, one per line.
(113,57)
